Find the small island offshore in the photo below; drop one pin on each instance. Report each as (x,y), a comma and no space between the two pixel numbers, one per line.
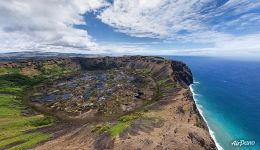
(122,103)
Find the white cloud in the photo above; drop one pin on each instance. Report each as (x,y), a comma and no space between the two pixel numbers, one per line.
(45,24)
(196,21)
(170,18)
(48,25)
(160,19)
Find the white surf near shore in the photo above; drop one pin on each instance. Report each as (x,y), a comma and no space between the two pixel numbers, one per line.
(200,108)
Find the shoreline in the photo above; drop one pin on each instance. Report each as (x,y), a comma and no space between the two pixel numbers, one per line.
(211,132)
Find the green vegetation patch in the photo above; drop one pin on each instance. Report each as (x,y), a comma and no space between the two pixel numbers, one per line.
(17,80)
(101,128)
(27,140)
(119,128)
(116,129)
(13,124)
(57,69)
(8,70)
(43,121)
(166,84)
(32,142)
(145,71)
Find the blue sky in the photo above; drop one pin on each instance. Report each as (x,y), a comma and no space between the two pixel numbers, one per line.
(148,27)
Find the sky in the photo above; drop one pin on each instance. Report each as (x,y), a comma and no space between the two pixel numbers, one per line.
(146,27)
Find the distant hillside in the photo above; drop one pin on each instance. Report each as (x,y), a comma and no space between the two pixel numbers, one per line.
(37,54)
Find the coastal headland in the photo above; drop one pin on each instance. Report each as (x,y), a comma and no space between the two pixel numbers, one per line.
(130,102)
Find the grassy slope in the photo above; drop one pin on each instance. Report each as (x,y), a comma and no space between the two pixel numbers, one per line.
(14,126)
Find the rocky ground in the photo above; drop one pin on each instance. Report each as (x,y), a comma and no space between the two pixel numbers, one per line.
(93,95)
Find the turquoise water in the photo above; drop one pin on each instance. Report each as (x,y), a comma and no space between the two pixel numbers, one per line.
(227,93)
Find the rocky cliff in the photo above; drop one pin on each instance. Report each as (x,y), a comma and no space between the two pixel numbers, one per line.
(159,67)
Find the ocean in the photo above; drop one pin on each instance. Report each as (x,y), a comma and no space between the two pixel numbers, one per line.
(227,93)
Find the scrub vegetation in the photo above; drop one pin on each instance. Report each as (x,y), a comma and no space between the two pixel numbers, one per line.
(122,123)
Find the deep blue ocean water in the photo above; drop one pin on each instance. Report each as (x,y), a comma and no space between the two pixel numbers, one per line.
(227,92)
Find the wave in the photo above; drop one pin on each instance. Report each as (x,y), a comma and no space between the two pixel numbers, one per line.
(196,82)
(200,108)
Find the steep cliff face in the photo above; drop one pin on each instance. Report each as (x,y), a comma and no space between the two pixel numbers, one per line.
(159,68)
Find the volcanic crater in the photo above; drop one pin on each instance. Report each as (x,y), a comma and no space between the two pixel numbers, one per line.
(94,94)
(130,102)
